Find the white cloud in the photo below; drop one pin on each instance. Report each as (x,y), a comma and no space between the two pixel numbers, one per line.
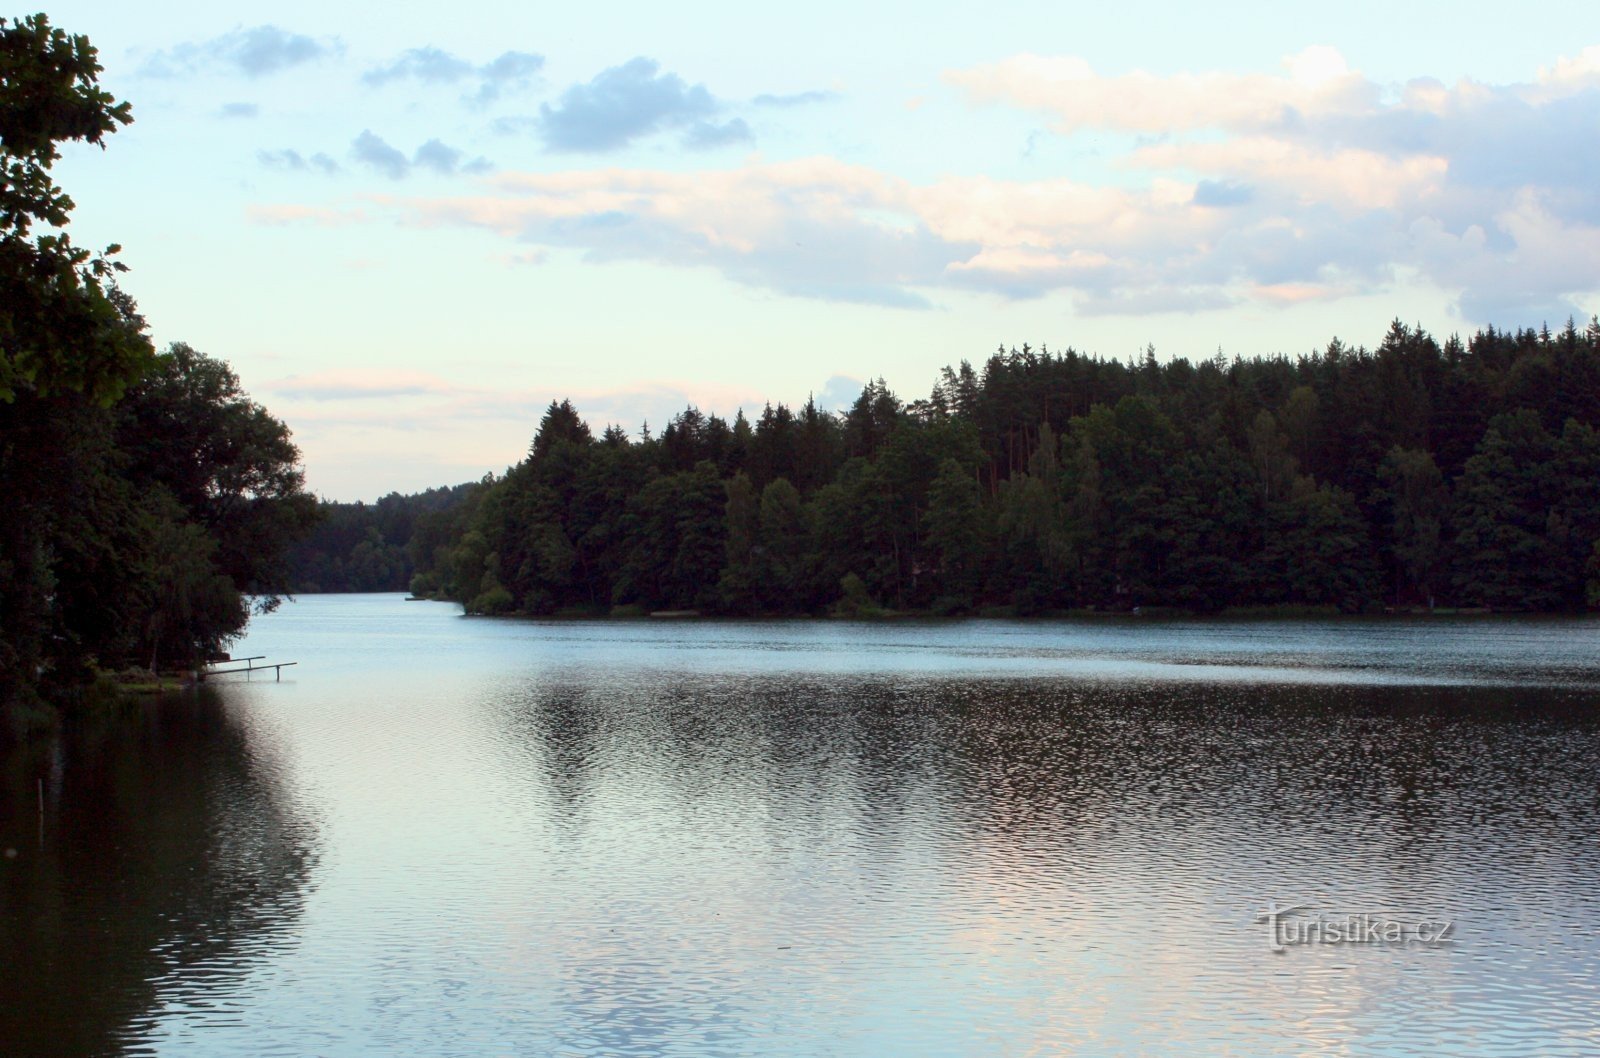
(1316,82)
(814,227)
(1279,189)
(1350,179)
(1570,75)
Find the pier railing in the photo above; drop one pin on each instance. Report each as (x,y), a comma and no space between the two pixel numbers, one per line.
(249,668)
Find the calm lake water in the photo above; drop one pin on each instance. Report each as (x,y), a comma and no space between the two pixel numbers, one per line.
(445,836)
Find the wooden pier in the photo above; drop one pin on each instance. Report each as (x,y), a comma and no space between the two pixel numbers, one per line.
(249,667)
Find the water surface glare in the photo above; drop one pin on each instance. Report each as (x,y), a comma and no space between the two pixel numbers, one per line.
(452,836)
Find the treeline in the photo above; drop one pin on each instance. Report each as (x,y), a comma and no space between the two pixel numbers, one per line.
(357,547)
(1417,474)
(145,501)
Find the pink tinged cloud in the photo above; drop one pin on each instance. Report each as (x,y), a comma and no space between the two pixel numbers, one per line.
(1238,203)
(1316,82)
(409,400)
(1351,179)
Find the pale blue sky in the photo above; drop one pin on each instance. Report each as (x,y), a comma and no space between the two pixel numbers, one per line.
(409,227)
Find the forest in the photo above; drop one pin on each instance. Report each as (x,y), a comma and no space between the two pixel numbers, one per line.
(148,501)
(364,547)
(1413,476)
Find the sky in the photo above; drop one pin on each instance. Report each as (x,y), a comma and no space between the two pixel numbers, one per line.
(409,228)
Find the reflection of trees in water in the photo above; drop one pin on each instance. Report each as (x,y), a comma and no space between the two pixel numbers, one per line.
(696,822)
(167,845)
(1041,756)
(694,826)
(1055,760)
(800,747)
(1043,767)
(1048,752)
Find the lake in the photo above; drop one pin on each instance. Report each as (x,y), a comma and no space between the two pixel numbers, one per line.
(441,836)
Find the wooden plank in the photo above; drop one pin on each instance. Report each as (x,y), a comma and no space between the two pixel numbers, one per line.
(231,661)
(257,668)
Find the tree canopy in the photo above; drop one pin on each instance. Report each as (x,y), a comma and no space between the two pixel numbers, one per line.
(1414,474)
(146,498)
(64,326)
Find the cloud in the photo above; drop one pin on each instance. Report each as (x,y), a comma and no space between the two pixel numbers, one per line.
(360,385)
(813,228)
(374,152)
(1385,141)
(512,70)
(438,157)
(293,161)
(620,105)
(1221,193)
(1569,76)
(794,99)
(1316,185)
(1354,179)
(254,52)
(1315,82)
(238,110)
(1539,270)
(1300,293)
(1336,184)
(429,65)
(838,393)
(415,401)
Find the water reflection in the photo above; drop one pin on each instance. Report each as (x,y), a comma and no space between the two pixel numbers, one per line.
(165,853)
(800,839)
(803,864)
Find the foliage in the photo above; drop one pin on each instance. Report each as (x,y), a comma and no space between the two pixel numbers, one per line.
(1418,502)
(189,429)
(367,547)
(145,496)
(64,327)
(1045,481)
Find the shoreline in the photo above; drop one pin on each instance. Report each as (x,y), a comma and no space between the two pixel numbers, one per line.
(1285,612)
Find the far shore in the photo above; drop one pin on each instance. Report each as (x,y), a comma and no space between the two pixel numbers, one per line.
(997,613)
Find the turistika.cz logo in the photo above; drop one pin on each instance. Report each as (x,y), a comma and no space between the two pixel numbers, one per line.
(1300,925)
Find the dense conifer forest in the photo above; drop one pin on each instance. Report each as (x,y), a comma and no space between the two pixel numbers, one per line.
(1414,475)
